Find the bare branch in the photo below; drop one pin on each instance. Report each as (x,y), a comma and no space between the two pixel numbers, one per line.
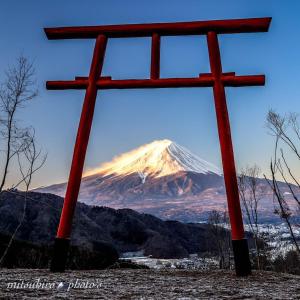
(251,194)
(34,160)
(18,89)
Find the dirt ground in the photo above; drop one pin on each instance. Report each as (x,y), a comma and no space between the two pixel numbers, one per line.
(146,284)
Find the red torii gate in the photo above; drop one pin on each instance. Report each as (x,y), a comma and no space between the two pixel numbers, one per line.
(216,79)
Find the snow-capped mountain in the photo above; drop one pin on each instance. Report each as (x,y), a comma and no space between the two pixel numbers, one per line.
(157,159)
(161,178)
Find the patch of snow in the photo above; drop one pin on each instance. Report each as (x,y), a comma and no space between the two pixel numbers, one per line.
(191,162)
(143,176)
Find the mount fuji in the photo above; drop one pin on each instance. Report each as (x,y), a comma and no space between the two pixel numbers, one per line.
(161,178)
(157,159)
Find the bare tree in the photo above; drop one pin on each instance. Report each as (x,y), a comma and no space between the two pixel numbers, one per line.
(18,143)
(217,222)
(29,161)
(17,89)
(286,131)
(251,193)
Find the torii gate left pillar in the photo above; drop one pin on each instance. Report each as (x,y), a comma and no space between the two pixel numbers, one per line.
(216,79)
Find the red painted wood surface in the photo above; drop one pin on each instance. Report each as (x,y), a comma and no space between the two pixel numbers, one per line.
(232,192)
(202,81)
(155,56)
(142,30)
(83,133)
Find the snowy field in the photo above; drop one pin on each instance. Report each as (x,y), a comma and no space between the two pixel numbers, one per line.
(192,263)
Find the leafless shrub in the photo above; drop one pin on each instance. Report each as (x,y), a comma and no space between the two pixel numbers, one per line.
(286,132)
(251,194)
(30,160)
(217,220)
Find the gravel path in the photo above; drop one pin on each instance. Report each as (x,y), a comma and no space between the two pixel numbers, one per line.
(146,284)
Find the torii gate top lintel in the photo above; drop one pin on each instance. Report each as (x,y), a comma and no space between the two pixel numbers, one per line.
(216,79)
(155,31)
(163,29)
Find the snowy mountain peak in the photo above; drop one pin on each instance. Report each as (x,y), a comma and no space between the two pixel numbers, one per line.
(156,159)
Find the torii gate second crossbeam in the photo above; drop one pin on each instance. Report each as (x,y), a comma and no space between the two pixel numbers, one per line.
(215,79)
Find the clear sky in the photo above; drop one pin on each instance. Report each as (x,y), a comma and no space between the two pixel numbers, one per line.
(128,118)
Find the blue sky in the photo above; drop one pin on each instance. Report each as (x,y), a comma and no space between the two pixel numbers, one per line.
(128,118)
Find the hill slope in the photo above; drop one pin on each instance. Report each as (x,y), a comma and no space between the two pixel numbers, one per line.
(125,229)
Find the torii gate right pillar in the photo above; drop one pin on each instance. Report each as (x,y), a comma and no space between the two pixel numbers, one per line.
(239,243)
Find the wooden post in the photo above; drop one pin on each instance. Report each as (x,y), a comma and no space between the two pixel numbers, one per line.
(64,230)
(155,56)
(239,243)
